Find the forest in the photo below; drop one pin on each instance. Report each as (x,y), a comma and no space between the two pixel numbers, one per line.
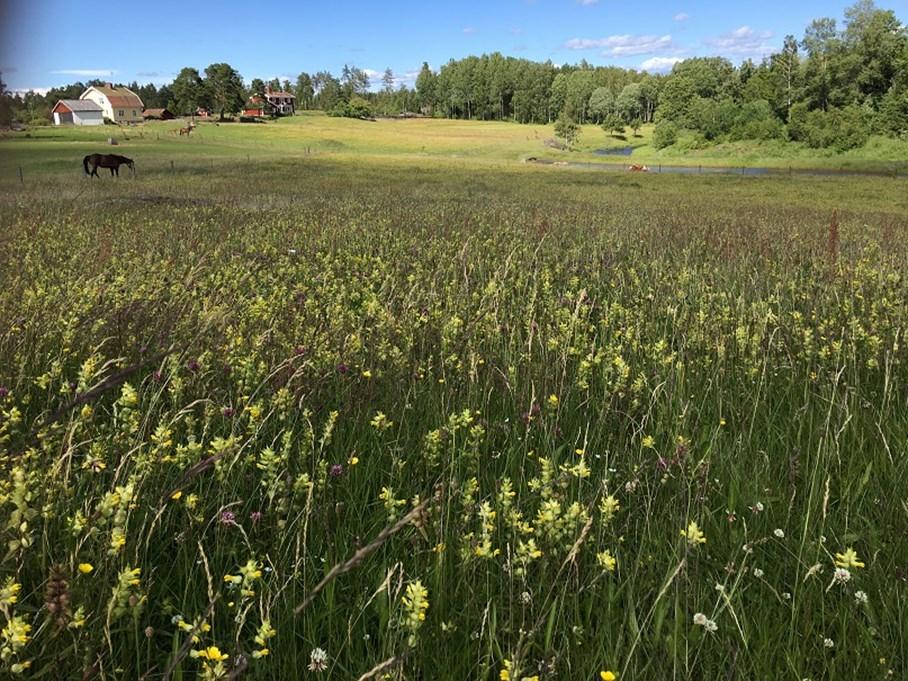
(841,82)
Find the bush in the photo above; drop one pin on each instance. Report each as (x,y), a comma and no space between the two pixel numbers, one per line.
(357,107)
(893,115)
(665,135)
(38,121)
(839,129)
(756,121)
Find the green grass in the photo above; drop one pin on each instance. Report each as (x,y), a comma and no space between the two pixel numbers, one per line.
(187,355)
(473,141)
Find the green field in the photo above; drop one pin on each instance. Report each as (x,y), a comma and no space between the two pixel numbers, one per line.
(474,141)
(382,390)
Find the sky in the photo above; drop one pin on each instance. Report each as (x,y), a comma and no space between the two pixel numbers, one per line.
(46,43)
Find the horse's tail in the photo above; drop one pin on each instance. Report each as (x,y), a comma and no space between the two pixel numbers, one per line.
(85,164)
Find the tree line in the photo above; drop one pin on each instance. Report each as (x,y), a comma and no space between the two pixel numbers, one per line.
(832,88)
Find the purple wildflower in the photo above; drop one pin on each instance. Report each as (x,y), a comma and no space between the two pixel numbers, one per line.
(336,471)
(342,368)
(228,518)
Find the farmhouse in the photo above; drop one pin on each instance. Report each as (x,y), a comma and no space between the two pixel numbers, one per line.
(157,115)
(119,104)
(77,112)
(283,102)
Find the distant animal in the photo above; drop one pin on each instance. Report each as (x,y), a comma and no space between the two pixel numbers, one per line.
(185,131)
(637,168)
(111,161)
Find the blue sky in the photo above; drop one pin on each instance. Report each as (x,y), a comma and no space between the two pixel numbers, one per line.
(44,43)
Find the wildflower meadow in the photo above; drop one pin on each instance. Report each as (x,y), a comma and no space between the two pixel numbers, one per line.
(384,419)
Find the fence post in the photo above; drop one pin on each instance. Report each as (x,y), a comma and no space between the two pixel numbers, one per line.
(21,178)
(660,168)
(171,165)
(699,169)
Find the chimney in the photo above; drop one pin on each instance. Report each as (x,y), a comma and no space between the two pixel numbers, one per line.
(110,85)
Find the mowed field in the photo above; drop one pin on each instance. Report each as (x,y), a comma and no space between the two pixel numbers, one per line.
(443,140)
(349,400)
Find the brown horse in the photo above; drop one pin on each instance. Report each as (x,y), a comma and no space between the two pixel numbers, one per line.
(111,161)
(637,168)
(185,131)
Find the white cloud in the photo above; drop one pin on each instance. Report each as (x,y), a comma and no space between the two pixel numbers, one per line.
(659,64)
(682,16)
(587,3)
(469,30)
(623,45)
(743,42)
(407,78)
(516,30)
(25,90)
(88,73)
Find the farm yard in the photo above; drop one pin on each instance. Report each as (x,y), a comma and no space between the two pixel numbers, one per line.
(326,398)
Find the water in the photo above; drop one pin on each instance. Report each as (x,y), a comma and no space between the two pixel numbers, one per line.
(618,151)
(718,170)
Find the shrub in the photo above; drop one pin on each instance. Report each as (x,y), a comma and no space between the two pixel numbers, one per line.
(665,135)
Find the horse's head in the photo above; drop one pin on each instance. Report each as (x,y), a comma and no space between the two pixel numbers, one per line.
(132,165)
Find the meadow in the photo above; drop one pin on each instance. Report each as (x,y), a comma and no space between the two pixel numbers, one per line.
(414,410)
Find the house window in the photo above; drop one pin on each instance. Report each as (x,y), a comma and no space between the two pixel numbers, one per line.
(133,112)
(120,113)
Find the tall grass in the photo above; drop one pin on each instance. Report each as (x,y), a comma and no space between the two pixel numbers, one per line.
(220,399)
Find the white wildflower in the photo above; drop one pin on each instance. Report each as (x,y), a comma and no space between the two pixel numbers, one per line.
(318,660)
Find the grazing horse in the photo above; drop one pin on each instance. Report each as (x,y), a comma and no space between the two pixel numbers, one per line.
(111,161)
(637,168)
(185,131)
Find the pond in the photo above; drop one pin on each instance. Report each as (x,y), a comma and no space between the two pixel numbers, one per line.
(616,151)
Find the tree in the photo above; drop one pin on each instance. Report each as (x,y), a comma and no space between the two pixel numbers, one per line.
(327,90)
(189,92)
(787,64)
(567,130)
(304,91)
(614,124)
(628,103)
(257,88)
(225,87)
(425,89)
(387,81)
(602,103)
(354,81)
(6,108)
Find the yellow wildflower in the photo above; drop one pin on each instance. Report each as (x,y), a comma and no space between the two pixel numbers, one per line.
(608,676)
(607,561)
(212,653)
(849,559)
(693,534)
(176,495)
(9,594)
(86,568)
(553,400)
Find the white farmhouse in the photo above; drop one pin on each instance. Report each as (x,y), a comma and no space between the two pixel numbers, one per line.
(119,104)
(77,112)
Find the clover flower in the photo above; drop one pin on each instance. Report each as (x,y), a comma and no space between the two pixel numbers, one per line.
(318,660)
